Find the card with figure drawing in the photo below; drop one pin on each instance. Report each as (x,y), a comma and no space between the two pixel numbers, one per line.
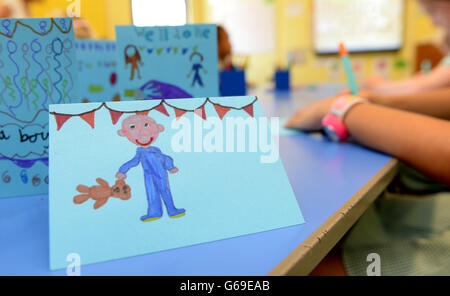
(37,68)
(168,62)
(138,177)
(97,70)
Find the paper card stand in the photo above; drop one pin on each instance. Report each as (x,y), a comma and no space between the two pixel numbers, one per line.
(189,176)
(37,68)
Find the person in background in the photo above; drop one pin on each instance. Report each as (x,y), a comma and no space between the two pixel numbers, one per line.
(408,226)
(82,29)
(438,77)
(15,8)
(224,49)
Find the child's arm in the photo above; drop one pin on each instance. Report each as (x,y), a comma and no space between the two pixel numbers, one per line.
(438,78)
(128,165)
(434,103)
(420,141)
(5,11)
(168,164)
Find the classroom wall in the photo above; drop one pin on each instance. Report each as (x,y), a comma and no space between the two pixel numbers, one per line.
(294,34)
(103,15)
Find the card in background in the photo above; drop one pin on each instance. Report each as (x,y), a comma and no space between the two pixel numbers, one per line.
(202,179)
(168,62)
(37,68)
(97,70)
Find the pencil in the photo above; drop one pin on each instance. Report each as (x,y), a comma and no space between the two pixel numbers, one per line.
(348,68)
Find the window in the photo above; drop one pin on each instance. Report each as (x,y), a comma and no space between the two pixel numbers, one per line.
(159,12)
(379,25)
(250,23)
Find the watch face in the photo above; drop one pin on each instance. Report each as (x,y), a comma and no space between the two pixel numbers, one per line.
(329,131)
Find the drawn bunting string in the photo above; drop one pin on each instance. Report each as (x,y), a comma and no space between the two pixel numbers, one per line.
(44,33)
(89,116)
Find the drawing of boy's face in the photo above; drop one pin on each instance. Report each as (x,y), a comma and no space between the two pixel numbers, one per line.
(140,130)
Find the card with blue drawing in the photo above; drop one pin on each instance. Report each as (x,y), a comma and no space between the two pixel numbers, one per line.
(37,68)
(98,80)
(168,62)
(137,177)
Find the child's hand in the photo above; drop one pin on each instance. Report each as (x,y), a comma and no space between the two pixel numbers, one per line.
(121,176)
(372,83)
(344,92)
(363,93)
(174,171)
(309,118)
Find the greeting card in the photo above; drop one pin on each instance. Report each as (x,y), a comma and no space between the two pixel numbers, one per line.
(168,62)
(37,68)
(136,177)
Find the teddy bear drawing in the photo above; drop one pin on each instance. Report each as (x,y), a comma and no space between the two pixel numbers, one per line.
(102,192)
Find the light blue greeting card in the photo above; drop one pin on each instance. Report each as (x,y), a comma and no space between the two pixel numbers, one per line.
(136,177)
(98,80)
(37,68)
(168,62)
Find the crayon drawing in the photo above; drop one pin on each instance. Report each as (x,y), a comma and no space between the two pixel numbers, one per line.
(168,62)
(184,176)
(97,70)
(37,68)
(143,131)
(102,192)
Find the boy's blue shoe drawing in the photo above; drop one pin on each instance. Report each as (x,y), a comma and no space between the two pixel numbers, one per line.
(147,218)
(178,213)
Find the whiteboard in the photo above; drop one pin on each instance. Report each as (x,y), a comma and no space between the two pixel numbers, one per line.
(250,24)
(364,25)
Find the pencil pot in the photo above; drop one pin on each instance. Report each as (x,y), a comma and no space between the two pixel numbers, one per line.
(282,80)
(232,83)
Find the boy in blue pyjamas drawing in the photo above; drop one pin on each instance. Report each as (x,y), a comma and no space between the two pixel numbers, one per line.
(142,131)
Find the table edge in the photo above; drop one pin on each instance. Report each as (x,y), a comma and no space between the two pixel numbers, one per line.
(313,249)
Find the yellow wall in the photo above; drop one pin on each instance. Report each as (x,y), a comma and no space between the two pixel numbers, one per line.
(118,13)
(294,33)
(102,15)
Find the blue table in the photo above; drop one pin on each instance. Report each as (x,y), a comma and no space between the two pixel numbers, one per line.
(333,183)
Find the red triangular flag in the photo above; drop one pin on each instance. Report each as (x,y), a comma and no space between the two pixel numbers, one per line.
(89,118)
(115,116)
(201,112)
(145,113)
(221,111)
(60,120)
(249,110)
(162,109)
(179,113)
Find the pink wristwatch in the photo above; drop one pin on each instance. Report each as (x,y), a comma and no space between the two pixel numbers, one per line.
(333,123)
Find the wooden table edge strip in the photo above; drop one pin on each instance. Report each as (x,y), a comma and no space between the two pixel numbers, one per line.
(307,255)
